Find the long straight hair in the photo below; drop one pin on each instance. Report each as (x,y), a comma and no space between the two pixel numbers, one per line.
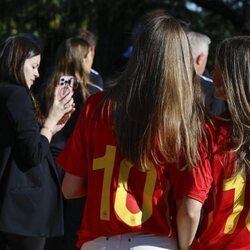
(14,52)
(233,57)
(157,99)
(69,61)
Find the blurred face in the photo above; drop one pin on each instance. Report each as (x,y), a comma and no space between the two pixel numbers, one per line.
(92,51)
(87,62)
(218,82)
(30,68)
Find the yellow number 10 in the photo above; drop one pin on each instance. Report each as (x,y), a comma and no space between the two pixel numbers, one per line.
(107,163)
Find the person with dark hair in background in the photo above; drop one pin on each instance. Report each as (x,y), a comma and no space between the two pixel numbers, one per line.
(222,183)
(73,58)
(127,140)
(200,49)
(30,198)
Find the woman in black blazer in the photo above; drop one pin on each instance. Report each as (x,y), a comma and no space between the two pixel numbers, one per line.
(30,197)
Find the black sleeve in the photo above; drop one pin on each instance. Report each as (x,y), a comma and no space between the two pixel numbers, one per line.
(32,147)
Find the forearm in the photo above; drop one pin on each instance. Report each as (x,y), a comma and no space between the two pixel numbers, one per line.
(188,217)
(48,128)
(58,114)
(73,186)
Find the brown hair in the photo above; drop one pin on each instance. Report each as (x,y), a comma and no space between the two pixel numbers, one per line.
(233,57)
(68,62)
(158,97)
(14,51)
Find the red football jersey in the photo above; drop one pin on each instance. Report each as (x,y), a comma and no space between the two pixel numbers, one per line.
(225,194)
(120,198)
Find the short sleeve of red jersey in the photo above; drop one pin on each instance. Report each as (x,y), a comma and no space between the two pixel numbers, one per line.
(73,158)
(195,184)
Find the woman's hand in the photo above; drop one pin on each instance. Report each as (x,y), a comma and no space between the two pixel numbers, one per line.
(61,109)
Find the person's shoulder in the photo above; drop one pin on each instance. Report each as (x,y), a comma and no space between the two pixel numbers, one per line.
(206,79)
(9,86)
(94,88)
(218,130)
(96,80)
(206,82)
(16,101)
(97,96)
(94,99)
(12,91)
(97,101)
(96,108)
(221,123)
(94,72)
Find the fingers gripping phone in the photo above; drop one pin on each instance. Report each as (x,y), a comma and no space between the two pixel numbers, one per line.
(65,82)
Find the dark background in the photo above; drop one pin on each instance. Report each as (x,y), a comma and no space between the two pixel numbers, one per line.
(113,20)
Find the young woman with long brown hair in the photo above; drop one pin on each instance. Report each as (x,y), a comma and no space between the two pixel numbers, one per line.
(222,181)
(127,140)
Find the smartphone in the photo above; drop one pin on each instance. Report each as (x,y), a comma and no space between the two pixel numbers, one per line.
(68,80)
(65,82)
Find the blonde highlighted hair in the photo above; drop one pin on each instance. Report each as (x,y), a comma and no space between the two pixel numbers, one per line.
(158,97)
(69,61)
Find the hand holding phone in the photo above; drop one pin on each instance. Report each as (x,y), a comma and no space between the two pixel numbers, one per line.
(65,83)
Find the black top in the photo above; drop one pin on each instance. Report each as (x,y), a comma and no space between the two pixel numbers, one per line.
(30,193)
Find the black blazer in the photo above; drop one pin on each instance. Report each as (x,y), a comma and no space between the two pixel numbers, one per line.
(30,193)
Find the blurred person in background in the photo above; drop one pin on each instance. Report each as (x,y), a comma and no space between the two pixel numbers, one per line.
(95,77)
(200,50)
(73,58)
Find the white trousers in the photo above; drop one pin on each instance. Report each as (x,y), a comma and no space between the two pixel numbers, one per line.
(132,241)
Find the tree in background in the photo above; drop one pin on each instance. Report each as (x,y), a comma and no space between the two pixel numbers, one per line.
(112,21)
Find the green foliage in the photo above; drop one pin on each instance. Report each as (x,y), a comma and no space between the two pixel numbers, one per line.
(112,21)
